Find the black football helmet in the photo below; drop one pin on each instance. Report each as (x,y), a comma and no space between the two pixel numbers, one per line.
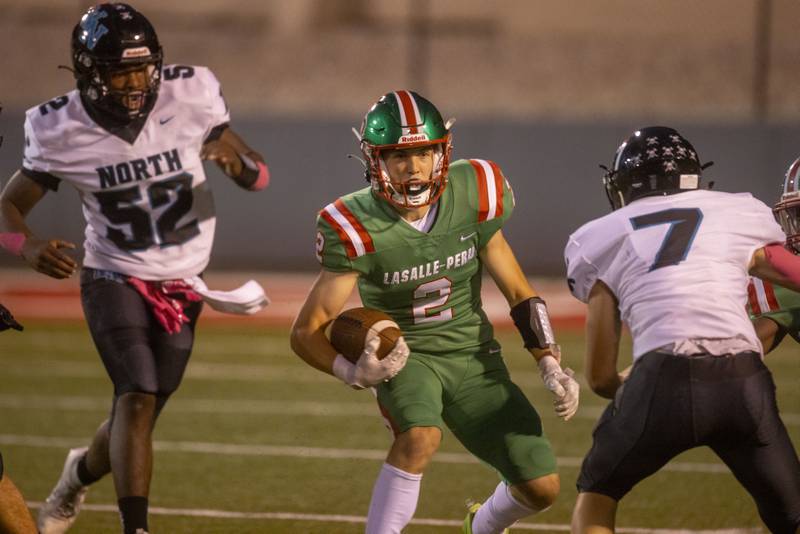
(109,38)
(656,160)
(787,210)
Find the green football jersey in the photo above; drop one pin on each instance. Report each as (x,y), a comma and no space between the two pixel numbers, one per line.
(429,283)
(778,303)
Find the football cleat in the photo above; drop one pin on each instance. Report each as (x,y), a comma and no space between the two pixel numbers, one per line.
(472,509)
(62,506)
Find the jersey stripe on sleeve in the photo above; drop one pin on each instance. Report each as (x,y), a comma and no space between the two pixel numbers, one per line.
(762,296)
(490,189)
(354,236)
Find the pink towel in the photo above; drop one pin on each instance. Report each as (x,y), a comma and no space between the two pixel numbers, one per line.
(167,300)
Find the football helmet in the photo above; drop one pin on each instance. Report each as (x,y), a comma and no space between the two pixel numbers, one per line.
(656,160)
(400,120)
(787,210)
(109,38)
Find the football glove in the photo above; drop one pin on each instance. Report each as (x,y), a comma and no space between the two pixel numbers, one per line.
(562,385)
(369,371)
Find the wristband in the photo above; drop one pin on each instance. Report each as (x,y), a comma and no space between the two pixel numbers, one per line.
(255,172)
(13,242)
(343,369)
(531,319)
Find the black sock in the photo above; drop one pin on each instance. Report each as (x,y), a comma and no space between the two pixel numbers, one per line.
(84,475)
(134,513)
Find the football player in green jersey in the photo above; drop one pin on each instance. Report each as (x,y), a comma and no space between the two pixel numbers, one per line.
(416,242)
(776,310)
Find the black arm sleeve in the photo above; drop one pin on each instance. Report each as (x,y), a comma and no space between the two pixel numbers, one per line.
(216,132)
(45,179)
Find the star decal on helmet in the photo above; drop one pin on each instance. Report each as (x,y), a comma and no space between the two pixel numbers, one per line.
(681,152)
(667,151)
(652,153)
(669,165)
(675,138)
(652,141)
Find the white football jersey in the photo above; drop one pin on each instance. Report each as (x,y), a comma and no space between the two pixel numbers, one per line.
(148,207)
(677,264)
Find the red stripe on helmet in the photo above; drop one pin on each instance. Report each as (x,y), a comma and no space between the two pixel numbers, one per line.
(343,237)
(483,193)
(362,232)
(407,113)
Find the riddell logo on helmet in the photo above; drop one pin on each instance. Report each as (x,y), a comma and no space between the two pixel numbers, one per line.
(141,51)
(414,138)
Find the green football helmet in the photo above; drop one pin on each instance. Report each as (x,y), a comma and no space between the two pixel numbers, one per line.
(399,120)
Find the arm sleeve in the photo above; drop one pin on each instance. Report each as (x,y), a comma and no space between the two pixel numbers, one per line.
(581,272)
(330,250)
(35,162)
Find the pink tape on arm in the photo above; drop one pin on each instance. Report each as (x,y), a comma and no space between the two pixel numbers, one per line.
(263,177)
(784,262)
(12,242)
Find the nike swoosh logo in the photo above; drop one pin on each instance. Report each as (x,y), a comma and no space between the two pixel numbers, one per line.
(494,351)
(465,237)
(165,121)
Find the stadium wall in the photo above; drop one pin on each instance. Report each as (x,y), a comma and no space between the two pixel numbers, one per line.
(553,167)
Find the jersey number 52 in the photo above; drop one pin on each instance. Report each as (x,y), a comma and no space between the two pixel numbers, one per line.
(120,209)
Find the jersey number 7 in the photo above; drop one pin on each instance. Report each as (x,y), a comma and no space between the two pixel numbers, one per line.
(683,225)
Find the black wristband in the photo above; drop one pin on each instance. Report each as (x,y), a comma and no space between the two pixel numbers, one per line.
(531,319)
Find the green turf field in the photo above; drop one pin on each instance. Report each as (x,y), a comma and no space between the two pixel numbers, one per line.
(257,442)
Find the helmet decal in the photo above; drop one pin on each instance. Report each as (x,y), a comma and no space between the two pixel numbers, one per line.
(92,29)
(656,160)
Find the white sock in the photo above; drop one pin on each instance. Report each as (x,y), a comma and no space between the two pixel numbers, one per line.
(500,511)
(394,500)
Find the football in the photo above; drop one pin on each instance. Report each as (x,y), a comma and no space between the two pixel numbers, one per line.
(352,329)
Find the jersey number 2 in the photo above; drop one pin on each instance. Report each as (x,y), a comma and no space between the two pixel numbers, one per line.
(432,295)
(683,225)
(118,208)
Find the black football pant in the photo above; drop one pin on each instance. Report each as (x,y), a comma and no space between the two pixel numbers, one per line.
(672,403)
(139,356)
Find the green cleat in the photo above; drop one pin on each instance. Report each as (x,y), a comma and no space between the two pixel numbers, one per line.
(472,509)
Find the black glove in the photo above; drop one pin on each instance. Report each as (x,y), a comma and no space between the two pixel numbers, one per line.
(7,320)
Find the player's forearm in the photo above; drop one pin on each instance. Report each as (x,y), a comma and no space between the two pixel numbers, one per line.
(313,347)
(778,265)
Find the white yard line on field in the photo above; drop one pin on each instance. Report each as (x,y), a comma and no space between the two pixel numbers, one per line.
(232,449)
(287,516)
(252,407)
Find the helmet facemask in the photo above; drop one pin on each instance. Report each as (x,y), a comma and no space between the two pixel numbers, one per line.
(125,104)
(412,193)
(787,210)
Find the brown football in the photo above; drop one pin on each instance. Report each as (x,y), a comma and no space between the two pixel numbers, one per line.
(351,329)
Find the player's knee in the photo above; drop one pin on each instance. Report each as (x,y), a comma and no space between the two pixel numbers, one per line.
(539,493)
(136,405)
(417,445)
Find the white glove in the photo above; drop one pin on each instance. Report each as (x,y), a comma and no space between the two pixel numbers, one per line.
(369,371)
(561,384)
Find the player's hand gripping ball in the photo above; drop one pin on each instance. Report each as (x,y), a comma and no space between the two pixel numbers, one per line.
(353,328)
